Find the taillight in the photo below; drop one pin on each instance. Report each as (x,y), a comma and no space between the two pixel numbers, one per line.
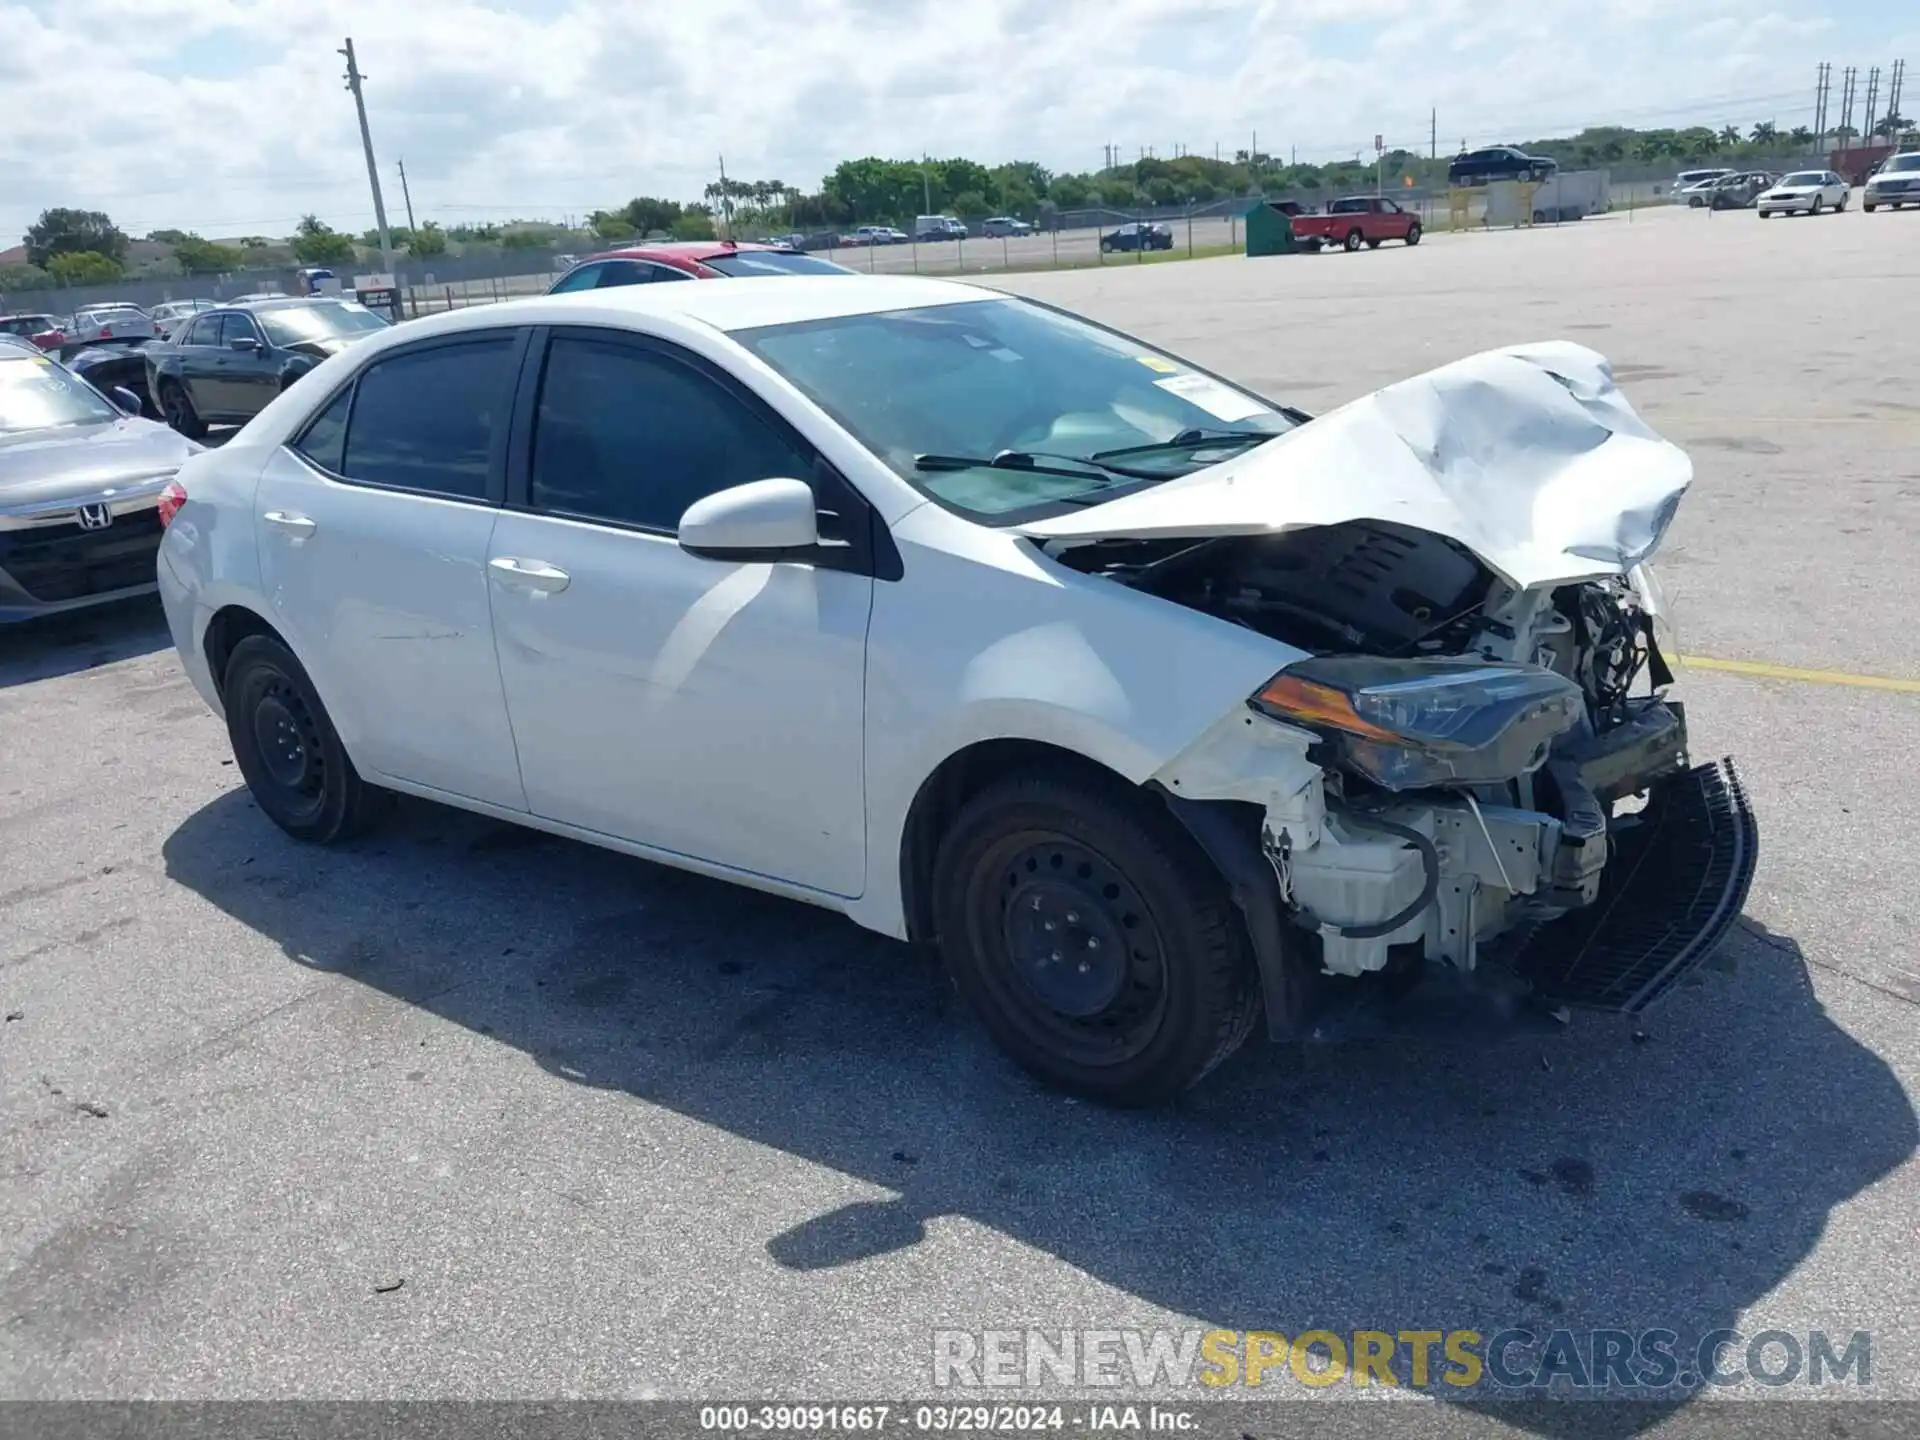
(171,499)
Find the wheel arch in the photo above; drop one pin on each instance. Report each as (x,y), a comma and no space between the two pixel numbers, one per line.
(227,628)
(955,781)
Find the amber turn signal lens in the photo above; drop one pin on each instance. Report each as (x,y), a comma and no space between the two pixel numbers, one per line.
(1311,703)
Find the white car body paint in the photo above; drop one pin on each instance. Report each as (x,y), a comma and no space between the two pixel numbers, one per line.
(773,723)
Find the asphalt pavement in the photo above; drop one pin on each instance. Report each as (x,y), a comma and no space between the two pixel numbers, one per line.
(466,1111)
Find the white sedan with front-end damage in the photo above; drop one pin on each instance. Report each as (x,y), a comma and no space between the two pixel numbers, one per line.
(1156,704)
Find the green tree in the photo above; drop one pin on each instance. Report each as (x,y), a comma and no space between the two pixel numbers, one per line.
(1765,133)
(649,216)
(1730,135)
(1892,125)
(83,267)
(23,277)
(971,205)
(429,240)
(694,223)
(1800,135)
(610,225)
(168,237)
(203,257)
(73,232)
(317,243)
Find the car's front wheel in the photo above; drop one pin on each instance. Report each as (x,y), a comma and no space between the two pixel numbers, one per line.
(177,407)
(1814,209)
(287,749)
(1413,233)
(1095,943)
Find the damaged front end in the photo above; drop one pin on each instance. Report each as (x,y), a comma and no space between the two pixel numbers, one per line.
(1467,802)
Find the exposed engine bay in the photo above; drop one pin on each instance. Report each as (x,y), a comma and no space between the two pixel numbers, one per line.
(1471,756)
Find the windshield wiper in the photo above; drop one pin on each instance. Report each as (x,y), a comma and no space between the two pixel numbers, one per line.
(1034,462)
(1189,440)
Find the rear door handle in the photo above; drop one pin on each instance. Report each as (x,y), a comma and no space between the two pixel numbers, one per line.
(535,575)
(297,526)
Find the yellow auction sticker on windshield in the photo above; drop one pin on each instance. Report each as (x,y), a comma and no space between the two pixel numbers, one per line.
(1154,362)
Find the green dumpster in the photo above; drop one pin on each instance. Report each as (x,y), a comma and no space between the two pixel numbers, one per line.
(1270,228)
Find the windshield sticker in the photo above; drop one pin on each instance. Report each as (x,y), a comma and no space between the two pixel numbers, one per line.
(1154,362)
(1213,397)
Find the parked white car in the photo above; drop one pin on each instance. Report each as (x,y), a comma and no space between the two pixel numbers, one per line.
(1696,186)
(1806,191)
(1155,703)
(1895,183)
(109,323)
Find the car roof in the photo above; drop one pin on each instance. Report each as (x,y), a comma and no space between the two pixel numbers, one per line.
(725,305)
(677,250)
(283,302)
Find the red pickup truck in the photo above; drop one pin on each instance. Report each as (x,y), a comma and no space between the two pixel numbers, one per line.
(1355,221)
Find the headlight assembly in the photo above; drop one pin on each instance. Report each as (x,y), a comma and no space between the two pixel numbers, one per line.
(1408,724)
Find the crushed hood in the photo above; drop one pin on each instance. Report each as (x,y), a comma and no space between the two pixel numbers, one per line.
(60,463)
(1529,456)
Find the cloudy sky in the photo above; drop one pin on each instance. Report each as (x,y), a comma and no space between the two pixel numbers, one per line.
(229,117)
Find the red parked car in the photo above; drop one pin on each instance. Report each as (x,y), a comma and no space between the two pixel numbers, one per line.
(1355,221)
(42,330)
(689,260)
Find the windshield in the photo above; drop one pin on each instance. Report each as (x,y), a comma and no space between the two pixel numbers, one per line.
(1803,179)
(974,380)
(35,393)
(25,324)
(329,320)
(772,262)
(1902,162)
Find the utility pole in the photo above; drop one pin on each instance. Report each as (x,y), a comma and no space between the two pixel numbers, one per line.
(1873,95)
(1893,92)
(726,201)
(1433,133)
(407,195)
(1846,102)
(926,182)
(354,77)
(1822,90)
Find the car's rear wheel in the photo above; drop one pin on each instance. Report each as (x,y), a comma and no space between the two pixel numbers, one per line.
(287,749)
(1413,233)
(1354,237)
(1094,942)
(177,406)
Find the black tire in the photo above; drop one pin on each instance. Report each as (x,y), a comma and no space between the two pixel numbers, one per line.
(177,406)
(1766,214)
(1413,233)
(287,749)
(1870,208)
(1373,244)
(1353,240)
(1163,990)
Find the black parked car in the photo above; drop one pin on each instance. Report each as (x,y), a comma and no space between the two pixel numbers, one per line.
(1498,162)
(1138,235)
(227,365)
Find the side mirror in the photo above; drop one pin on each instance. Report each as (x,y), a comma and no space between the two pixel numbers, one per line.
(761,520)
(127,400)
(243,343)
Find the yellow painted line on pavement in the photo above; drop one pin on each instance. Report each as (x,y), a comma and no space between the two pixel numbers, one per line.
(1764,671)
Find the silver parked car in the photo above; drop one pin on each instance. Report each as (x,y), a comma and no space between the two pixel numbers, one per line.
(83,489)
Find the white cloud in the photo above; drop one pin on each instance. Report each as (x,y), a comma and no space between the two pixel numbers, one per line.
(228,116)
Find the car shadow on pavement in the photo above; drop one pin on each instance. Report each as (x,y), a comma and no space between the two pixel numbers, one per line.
(1666,1175)
(77,640)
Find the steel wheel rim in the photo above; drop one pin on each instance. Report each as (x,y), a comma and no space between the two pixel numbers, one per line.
(1102,1000)
(286,739)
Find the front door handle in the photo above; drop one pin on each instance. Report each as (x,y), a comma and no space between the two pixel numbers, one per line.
(535,575)
(297,526)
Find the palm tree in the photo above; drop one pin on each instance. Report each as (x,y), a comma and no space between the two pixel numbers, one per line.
(1800,135)
(1730,135)
(1764,132)
(1891,126)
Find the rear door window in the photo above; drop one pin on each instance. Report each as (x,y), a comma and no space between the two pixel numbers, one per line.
(429,420)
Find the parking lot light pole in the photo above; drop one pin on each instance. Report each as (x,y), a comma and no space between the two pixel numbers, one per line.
(354,77)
